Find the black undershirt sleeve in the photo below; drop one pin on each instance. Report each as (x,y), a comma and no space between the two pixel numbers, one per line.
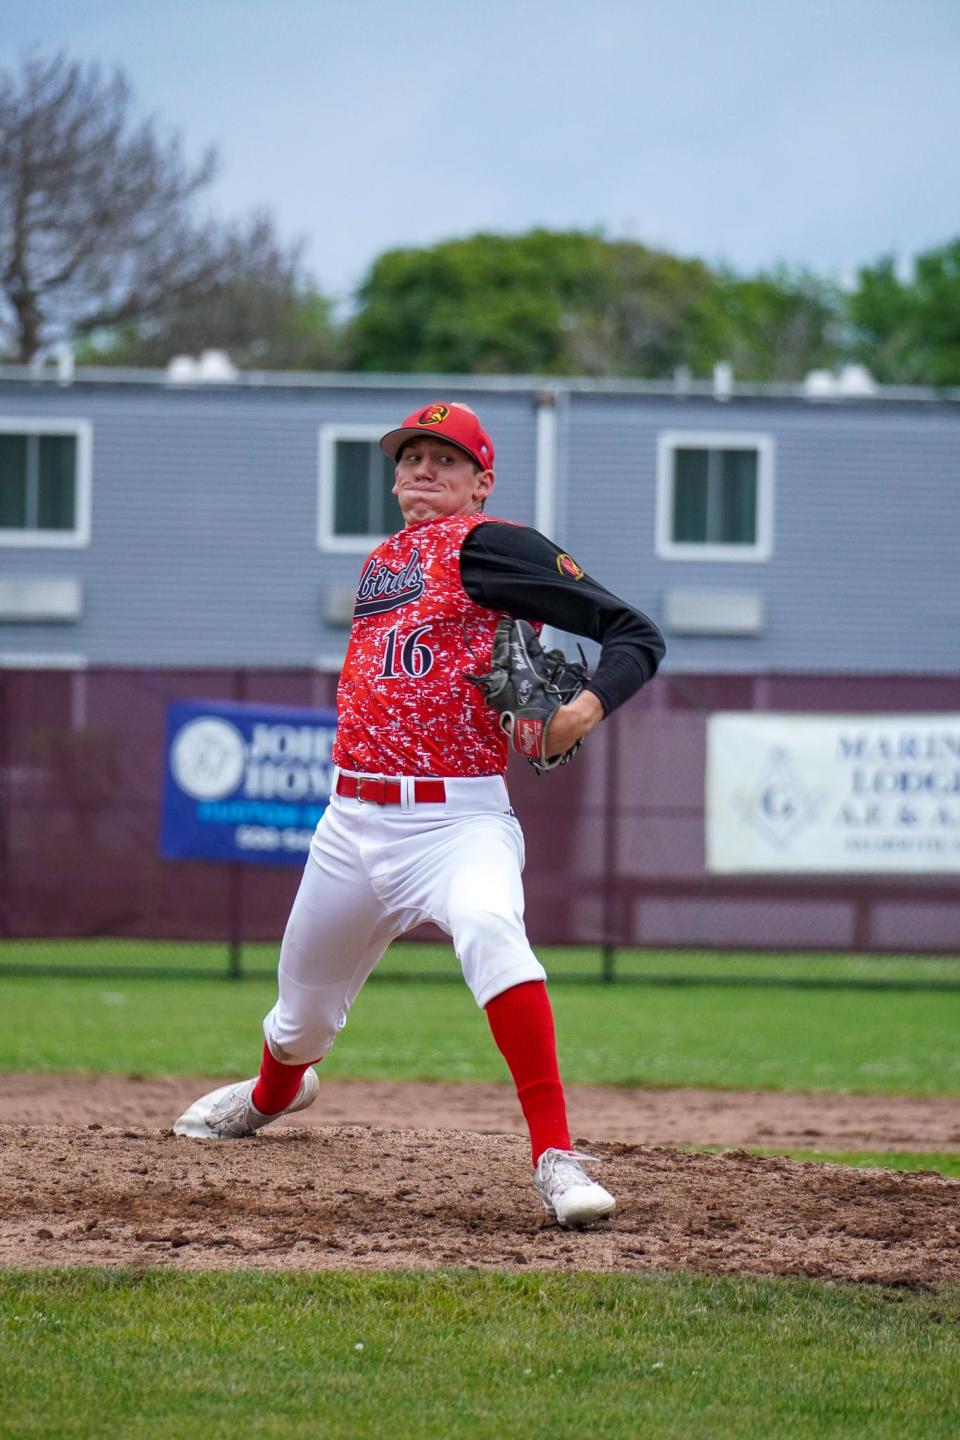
(515,569)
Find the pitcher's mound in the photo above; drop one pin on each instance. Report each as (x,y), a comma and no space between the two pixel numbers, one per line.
(316,1198)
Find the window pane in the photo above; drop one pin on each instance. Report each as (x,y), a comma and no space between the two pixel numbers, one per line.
(351,511)
(363,502)
(738,497)
(57,482)
(386,512)
(13,482)
(690,496)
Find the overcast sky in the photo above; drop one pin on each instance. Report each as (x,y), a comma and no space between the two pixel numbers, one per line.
(815,132)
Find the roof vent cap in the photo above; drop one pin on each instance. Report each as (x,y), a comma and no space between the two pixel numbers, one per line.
(213,367)
(856,380)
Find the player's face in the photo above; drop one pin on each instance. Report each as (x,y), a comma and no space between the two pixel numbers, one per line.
(435,479)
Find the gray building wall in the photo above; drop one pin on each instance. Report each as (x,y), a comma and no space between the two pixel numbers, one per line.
(204,528)
(866,538)
(204,548)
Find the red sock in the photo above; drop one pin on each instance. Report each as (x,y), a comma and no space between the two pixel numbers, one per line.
(278,1084)
(522,1023)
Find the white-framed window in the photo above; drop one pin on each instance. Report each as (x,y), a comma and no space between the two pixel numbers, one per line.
(356,508)
(714,495)
(45,481)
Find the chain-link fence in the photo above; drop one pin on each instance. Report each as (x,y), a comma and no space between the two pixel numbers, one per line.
(616,880)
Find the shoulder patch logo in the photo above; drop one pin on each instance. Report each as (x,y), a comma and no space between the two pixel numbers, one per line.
(433,415)
(568,566)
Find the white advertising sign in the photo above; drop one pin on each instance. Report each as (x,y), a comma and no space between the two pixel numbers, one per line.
(832,794)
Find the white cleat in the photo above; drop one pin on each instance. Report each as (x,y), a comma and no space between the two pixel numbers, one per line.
(230,1114)
(567,1190)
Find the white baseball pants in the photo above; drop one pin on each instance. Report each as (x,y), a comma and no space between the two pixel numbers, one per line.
(373,873)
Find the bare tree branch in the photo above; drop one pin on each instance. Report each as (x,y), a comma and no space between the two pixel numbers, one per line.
(97,213)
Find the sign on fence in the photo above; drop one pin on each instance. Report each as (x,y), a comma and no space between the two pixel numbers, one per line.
(245,782)
(833,793)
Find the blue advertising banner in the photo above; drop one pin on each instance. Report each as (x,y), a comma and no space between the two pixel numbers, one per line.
(245,782)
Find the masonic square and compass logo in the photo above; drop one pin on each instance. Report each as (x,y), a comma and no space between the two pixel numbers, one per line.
(779,806)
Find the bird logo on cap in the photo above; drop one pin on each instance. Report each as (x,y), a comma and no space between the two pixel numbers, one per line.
(433,415)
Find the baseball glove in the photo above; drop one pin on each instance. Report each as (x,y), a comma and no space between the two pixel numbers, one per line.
(528,684)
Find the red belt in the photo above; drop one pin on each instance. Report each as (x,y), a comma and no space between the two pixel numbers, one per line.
(378,791)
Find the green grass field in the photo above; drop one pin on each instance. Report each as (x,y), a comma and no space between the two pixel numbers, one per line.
(871,1041)
(915,1160)
(111,1355)
(88,1355)
(169,957)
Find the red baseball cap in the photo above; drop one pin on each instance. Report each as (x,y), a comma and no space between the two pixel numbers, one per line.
(457,424)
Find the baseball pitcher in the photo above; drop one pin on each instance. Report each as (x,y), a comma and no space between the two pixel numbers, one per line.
(444,674)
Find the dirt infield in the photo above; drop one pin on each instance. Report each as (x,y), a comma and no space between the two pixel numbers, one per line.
(391,1175)
(760,1118)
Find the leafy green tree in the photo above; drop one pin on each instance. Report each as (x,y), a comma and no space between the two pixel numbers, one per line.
(489,303)
(547,302)
(779,325)
(907,330)
(651,312)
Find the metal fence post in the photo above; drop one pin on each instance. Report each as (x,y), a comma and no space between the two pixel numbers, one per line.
(235,946)
(611,866)
(6,762)
(235,960)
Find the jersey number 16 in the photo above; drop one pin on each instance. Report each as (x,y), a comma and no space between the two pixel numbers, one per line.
(415,657)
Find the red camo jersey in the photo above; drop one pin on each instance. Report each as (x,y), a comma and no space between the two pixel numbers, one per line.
(403,706)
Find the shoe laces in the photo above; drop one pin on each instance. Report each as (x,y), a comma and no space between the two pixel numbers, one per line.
(560,1169)
(231,1107)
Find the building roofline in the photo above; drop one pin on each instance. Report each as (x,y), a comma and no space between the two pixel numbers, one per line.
(681,387)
